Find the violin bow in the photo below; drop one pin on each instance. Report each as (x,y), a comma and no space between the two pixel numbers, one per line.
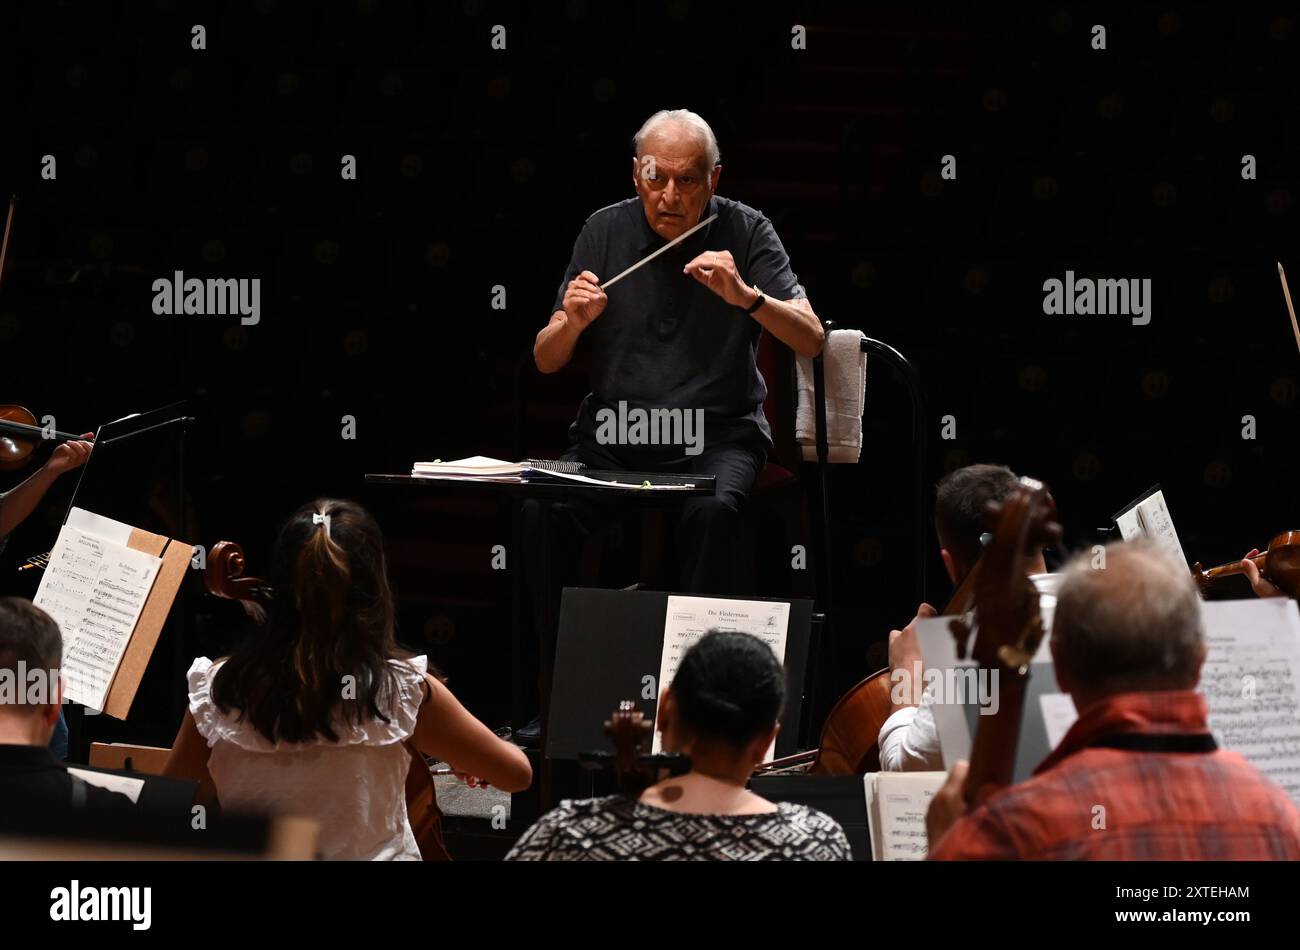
(1286,292)
(9,221)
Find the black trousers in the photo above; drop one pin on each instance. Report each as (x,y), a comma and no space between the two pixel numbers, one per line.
(705,539)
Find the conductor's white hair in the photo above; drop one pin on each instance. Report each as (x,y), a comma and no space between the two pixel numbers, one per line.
(683,117)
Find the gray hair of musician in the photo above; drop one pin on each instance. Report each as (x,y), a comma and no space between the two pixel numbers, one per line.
(1130,626)
(680,117)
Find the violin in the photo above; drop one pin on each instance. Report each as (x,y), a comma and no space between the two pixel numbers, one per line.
(1279,565)
(1009,630)
(19,436)
(224,577)
(630,730)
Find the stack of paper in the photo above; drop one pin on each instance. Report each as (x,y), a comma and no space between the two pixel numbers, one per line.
(475,468)
(479,468)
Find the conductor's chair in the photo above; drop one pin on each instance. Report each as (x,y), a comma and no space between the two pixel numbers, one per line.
(820,496)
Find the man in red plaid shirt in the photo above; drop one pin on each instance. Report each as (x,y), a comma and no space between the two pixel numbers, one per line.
(1138,776)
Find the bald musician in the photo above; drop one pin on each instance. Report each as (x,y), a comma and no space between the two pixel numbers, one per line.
(1128,647)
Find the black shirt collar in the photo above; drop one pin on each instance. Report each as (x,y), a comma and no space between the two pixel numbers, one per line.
(651,241)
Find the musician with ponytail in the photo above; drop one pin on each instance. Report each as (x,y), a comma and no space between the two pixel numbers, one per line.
(310,717)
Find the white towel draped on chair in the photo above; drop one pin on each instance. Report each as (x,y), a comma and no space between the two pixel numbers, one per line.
(845,387)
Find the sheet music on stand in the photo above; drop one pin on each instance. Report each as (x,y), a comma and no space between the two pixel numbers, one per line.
(1148,517)
(897,803)
(95,587)
(1250,681)
(687,619)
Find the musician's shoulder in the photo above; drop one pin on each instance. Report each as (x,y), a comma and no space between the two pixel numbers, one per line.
(610,214)
(744,215)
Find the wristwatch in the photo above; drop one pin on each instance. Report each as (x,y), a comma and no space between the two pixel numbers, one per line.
(757,303)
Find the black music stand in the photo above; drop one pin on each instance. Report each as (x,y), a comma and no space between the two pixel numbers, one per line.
(621,634)
(132,457)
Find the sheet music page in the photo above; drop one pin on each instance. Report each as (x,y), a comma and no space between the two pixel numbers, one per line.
(130,787)
(1251,682)
(1157,525)
(690,618)
(95,589)
(1059,715)
(896,807)
(1129,525)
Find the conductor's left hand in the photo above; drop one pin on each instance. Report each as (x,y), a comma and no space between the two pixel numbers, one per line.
(717,271)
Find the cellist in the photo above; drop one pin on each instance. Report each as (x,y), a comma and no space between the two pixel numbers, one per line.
(1138,776)
(909,740)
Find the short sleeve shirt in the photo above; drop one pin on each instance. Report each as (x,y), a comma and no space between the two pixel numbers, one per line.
(664,340)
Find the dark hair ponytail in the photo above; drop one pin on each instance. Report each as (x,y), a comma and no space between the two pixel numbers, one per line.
(729,686)
(331,620)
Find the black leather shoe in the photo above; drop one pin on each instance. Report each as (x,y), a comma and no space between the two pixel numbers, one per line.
(531,734)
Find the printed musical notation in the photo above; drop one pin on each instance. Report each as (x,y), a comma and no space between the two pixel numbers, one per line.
(897,803)
(690,618)
(95,589)
(1251,683)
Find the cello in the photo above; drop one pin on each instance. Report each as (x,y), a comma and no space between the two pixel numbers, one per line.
(848,743)
(1009,630)
(224,577)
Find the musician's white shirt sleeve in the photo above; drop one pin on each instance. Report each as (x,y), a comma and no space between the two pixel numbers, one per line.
(909,739)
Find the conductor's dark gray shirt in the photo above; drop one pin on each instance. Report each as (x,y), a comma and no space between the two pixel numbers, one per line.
(665,341)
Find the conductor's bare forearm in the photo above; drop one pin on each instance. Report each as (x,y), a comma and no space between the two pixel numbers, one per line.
(794,323)
(555,343)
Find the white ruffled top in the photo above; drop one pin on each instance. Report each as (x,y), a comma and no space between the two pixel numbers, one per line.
(354,788)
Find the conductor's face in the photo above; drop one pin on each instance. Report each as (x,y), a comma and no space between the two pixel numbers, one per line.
(673,178)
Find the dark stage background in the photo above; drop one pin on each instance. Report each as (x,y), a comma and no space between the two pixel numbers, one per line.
(477,167)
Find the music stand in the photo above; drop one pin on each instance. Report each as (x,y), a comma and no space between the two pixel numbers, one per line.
(132,457)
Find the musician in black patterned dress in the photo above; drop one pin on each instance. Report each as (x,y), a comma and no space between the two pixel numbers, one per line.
(722,711)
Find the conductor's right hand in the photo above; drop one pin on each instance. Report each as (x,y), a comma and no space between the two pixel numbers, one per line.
(584,301)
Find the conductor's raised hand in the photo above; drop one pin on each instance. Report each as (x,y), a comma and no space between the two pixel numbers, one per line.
(717,271)
(584,301)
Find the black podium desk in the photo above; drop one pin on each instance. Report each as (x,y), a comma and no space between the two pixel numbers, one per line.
(547,492)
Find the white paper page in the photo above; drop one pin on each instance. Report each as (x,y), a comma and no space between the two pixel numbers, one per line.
(95,590)
(1153,515)
(690,618)
(130,787)
(98,525)
(1251,683)
(869,782)
(902,799)
(939,650)
(1130,526)
(1059,715)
